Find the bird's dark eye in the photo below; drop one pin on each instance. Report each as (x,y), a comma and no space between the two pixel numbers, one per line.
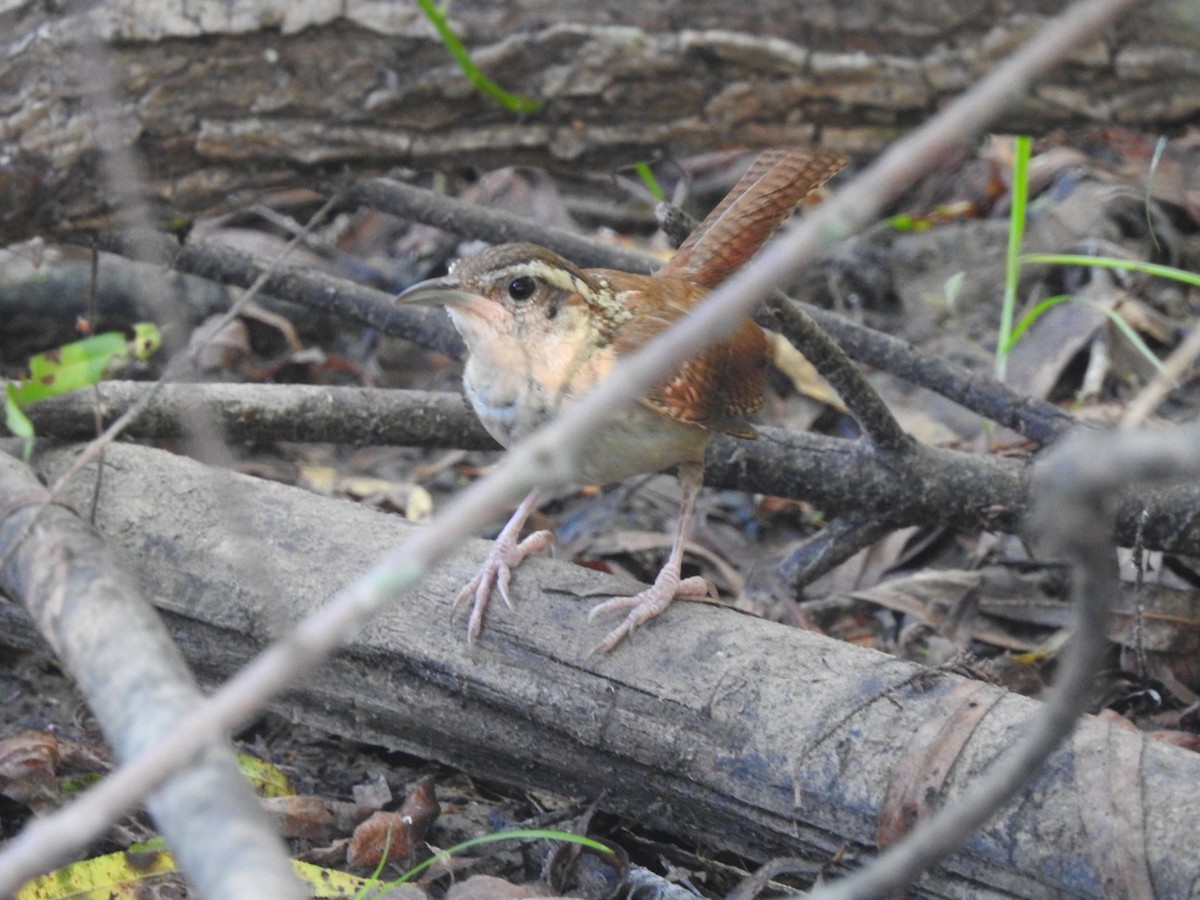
(522,287)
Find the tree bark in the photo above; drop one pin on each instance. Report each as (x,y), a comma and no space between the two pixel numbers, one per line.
(223,103)
(741,733)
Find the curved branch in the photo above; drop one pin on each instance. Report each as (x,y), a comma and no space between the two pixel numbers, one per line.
(139,687)
(1077,488)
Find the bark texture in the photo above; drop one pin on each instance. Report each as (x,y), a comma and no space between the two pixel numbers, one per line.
(225,102)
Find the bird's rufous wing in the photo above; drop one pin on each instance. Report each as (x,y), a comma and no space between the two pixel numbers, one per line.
(764,197)
(719,386)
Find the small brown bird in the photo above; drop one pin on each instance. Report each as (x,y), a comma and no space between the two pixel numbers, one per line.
(540,332)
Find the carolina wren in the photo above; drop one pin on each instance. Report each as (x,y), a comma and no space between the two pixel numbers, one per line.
(540,332)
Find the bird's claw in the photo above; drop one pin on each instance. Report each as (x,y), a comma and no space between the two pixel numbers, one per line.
(645,605)
(496,572)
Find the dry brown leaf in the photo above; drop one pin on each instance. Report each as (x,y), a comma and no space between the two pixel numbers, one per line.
(918,777)
(29,764)
(803,374)
(315,818)
(397,832)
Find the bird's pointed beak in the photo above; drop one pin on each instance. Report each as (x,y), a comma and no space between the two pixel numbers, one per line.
(444,291)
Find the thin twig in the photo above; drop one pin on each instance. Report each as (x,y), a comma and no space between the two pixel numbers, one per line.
(489,225)
(255,859)
(980,393)
(865,404)
(1165,380)
(833,545)
(316,290)
(179,365)
(137,684)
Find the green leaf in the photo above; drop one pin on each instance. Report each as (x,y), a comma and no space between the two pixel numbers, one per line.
(147,340)
(907,222)
(70,367)
(83,363)
(17,422)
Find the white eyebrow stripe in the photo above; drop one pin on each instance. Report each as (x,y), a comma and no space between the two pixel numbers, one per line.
(542,271)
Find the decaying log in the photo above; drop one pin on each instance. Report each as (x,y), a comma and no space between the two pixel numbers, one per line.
(743,734)
(224,103)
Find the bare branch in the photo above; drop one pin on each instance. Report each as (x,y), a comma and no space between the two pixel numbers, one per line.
(138,685)
(491,225)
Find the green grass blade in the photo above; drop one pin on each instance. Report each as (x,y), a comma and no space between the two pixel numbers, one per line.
(1012,260)
(515,834)
(1107,262)
(481,83)
(1113,316)
(651,183)
(1132,336)
(1032,316)
(17,422)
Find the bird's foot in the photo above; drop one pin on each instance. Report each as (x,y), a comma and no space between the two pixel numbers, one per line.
(646,605)
(506,554)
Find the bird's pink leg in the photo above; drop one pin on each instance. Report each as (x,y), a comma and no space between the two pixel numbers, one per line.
(505,555)
(668,585)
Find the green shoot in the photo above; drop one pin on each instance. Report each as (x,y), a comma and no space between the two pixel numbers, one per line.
(371,882)
(483,84)
(909,222)
(1155,270)
(1009,334)
(1012,260)
(515,834)
(651,183)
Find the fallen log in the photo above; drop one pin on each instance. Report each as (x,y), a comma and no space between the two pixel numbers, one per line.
(734,732)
